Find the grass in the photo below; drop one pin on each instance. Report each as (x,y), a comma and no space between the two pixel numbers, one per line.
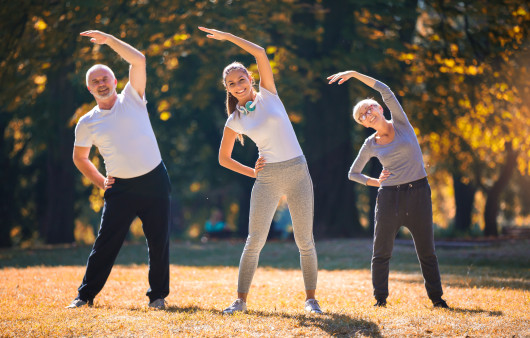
(487,287)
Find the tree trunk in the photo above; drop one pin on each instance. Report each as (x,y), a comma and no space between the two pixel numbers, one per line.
(464,198)
(494,193)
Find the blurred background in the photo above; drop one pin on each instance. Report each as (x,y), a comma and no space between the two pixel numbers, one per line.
(459,68)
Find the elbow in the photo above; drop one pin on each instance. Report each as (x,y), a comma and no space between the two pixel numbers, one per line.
(222,161)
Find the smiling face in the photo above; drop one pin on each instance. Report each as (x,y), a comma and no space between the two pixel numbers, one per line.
(368,113)
(239,84)
(101,82)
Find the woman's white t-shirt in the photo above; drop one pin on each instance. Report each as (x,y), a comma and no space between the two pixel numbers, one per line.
(269,127)
(123,135)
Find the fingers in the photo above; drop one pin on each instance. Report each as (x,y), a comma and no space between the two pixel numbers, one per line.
(260,163)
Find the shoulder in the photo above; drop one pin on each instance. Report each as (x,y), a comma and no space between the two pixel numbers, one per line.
(129,93)
(264,93)
(87,117)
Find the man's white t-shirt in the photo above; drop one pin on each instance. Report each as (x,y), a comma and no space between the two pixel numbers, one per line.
(269,127)
(123,135)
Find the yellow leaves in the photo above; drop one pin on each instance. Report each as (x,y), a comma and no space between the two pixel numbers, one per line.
(271,49)
(96,199)
(195,186)
(164,88)
(163,105)
(520,12)
(84,233)
(172,63)
(39,24)
(164,116)
(180,37)
(406,57)
(295,117)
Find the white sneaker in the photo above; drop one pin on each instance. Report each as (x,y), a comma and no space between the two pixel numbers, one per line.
(158,304)
(238,305)
(79,303)
(311,306)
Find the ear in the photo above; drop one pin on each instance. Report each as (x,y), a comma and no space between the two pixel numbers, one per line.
(87,87)
(115,81)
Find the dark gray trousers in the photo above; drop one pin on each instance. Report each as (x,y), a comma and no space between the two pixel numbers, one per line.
(406,205)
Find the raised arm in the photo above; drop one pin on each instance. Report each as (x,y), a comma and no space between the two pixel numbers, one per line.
(264,67)
(345,76)
(137,72)
(398,115)
(226,160)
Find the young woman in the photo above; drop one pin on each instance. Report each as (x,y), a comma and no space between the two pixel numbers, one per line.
(281,168)
(404,196)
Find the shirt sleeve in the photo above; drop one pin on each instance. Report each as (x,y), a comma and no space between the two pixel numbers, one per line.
(398,115)
(264,92)
(358,165)
(83,138)
(129,93)
(233,124)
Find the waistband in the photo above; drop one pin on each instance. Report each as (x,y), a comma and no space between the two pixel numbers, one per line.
(158,169)
(285,164)
(410,185)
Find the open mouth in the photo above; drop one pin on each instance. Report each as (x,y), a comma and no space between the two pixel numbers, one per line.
(103,91)
(241,91)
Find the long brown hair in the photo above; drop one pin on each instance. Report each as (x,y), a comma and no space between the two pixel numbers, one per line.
(231,100)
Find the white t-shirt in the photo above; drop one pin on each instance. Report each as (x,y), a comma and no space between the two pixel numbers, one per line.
(269,127)
(123,135)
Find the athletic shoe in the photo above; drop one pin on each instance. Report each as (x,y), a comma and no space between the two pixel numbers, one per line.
(158,304)
(440,304)
(311,306)
(238,305)
(79,303)
(380,303)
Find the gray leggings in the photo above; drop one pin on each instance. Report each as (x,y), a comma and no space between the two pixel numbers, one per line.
(290,178)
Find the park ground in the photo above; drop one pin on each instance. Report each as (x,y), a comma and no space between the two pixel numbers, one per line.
(487,285)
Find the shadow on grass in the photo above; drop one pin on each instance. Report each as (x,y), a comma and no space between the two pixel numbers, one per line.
(474,281)
(332,323)
(476,311)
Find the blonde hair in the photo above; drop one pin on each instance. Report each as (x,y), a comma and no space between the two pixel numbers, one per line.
(361,107)
(96,67)
(231,101)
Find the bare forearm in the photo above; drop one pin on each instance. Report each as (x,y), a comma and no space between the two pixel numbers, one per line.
(234,165)
(89,170)
(132,55)
(248,46)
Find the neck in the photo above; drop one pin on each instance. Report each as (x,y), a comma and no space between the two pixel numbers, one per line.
(384,128)
(107,103)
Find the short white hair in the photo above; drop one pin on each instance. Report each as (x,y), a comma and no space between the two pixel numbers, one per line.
(96,67)
(361,107)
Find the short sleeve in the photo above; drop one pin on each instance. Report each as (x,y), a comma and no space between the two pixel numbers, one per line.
(233,124)
(83,138)
(264,92)
(129,93)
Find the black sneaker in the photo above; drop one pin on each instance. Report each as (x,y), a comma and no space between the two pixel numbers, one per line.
(380,303)
(440,304)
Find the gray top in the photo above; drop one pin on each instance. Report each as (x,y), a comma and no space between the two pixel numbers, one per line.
(402,157)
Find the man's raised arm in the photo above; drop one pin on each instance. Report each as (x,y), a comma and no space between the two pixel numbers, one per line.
(137,73)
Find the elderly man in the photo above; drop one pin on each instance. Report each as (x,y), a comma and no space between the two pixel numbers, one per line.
(137,183)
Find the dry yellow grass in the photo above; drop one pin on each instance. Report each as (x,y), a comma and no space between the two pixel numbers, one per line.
(33,299)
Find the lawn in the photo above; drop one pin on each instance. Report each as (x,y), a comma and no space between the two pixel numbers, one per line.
(486,284)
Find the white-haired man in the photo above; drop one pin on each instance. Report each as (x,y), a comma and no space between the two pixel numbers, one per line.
(137,183)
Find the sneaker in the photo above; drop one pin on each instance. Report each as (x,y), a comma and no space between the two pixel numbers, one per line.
(79,303)
(238,305)
(380,303)
(311,306)
(158,304)
(440,304)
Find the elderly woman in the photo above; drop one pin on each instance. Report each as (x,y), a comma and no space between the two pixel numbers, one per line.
(404,195)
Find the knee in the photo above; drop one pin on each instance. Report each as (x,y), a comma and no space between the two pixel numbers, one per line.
(305,246)
(254,244)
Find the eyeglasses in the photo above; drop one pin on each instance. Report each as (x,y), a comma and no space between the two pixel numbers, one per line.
(362,117)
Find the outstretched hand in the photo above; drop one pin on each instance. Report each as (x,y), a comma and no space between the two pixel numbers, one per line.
(342,77)
(97,37)
(214,33)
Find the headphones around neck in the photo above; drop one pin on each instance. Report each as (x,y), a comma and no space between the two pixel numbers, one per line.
(250,106)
